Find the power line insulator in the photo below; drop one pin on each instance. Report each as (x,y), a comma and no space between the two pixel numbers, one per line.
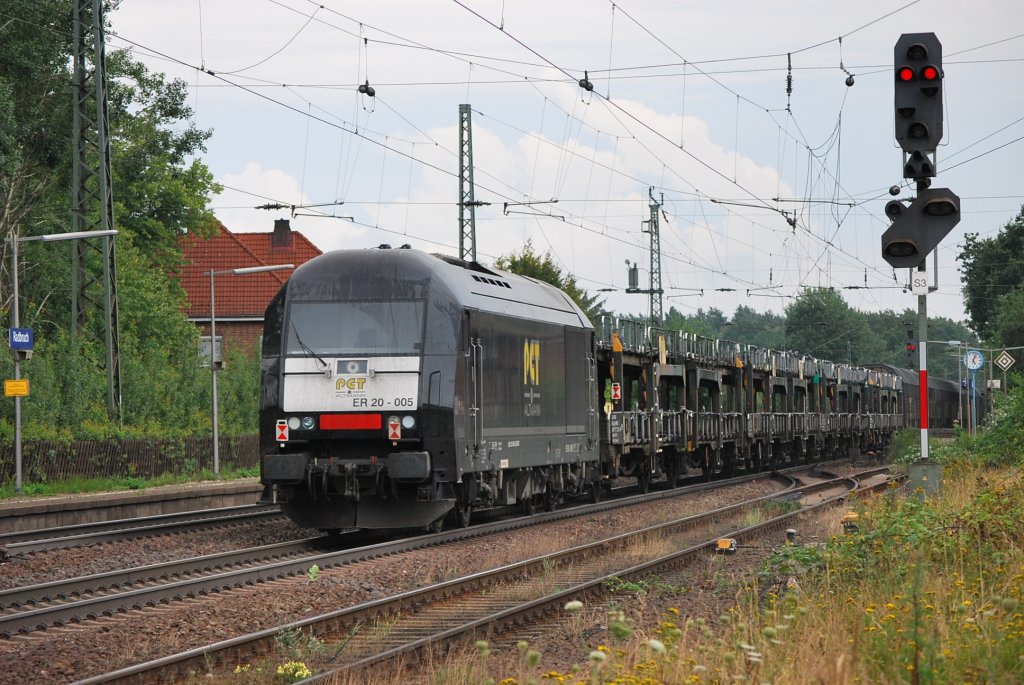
(585,83)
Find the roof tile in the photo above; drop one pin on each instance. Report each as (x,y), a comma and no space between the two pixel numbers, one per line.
(237,295)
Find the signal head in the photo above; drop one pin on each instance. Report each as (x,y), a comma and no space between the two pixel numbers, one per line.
(918,228)
(902,250)
(917,52)
(941,206)
(893,208)
(918,97)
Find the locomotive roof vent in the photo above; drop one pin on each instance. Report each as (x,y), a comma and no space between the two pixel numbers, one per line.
(492,281)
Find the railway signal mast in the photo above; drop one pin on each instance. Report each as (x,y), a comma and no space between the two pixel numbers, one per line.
(919,227)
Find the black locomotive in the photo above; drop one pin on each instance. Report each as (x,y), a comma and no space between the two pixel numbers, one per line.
(400,388)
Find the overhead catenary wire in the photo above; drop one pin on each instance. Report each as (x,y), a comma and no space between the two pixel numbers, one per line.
(413,161)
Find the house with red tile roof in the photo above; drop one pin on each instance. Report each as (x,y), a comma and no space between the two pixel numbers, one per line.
(239,299)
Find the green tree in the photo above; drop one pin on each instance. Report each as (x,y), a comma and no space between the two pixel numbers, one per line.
(528,263)
(820,323)
(944,360)
(1009,321)
(711,323)
(235,394)
(990,269)
(761,329)
(161,191)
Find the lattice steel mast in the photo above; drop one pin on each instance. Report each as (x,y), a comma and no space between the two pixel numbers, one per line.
(92,193)
(467,205)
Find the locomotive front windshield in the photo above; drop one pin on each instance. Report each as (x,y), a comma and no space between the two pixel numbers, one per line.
(340,329)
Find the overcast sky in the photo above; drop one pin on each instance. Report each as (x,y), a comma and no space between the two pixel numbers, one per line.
(689,98)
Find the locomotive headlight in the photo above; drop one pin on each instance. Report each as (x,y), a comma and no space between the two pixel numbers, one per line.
(308,423)
(294,423)
(408,422)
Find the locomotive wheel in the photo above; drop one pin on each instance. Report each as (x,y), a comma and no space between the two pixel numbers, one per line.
(436,527)
(463,512)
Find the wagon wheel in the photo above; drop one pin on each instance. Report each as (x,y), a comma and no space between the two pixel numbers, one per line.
(550,499)
(672,472)
(643,478)
(529,505)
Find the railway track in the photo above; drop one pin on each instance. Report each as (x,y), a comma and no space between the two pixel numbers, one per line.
(515,593)
(100,532)
(58,603)
(34,608)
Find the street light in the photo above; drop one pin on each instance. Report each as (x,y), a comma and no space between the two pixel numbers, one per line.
(959,381)
(213,346)
(16,323)
(960,375)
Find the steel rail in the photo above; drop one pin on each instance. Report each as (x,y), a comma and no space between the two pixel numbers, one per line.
(41,539)
(93,607)
(62,590)
(337,622)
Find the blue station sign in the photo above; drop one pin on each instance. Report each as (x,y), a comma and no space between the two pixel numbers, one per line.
(21,338)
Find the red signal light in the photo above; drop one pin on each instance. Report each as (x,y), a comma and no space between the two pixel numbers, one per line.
(929,73)
(905,74)
(911,347)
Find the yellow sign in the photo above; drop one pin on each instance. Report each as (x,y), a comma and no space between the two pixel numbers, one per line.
(17,388)
(531,362)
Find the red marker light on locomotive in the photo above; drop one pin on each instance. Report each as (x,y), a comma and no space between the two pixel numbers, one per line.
(905,74)
(929,73)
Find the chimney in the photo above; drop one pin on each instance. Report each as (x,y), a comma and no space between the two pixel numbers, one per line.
(281,238)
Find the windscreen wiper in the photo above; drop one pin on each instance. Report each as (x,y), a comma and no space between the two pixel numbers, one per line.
(325,367)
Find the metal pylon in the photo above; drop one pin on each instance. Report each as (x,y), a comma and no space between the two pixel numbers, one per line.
(467,204)
(655,290)
(92,193)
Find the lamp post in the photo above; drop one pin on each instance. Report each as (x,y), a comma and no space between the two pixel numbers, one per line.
(959,381)
(16,323)
(213,346)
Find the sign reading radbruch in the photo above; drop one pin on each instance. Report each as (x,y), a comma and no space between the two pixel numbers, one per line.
(21,338)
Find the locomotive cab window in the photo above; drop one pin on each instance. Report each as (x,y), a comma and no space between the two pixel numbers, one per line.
(340,329)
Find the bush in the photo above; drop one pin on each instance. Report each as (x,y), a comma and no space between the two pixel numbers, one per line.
(1002,440)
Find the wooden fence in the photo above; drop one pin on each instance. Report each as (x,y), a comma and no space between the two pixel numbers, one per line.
(43,460)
